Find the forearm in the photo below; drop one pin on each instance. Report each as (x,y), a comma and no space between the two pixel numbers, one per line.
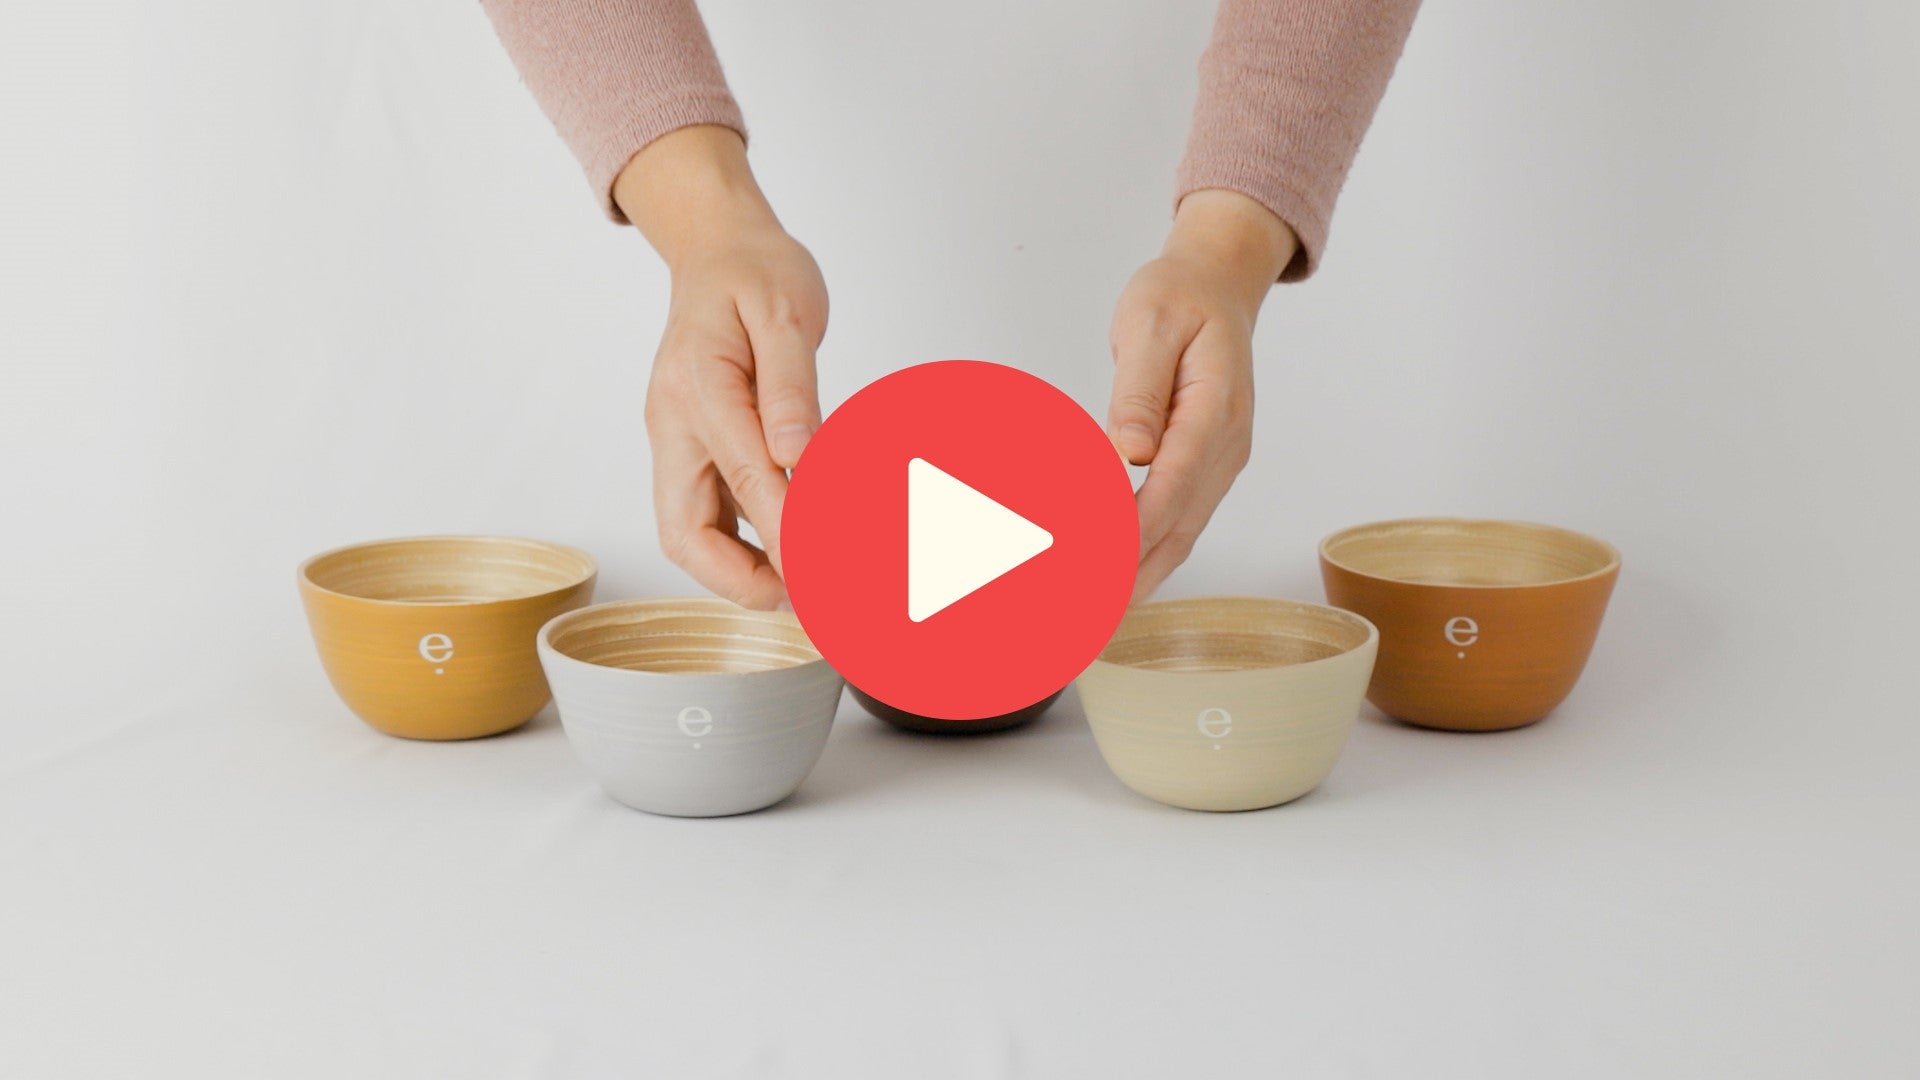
(1287,91)
(615,75)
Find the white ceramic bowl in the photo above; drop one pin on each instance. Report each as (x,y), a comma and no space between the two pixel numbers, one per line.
(692,708)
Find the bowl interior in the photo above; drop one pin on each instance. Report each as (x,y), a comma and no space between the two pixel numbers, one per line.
(449,569)
(1450,551)
(682,636)
(1232,634)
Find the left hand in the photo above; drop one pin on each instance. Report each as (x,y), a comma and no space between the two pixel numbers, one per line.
(1183,367)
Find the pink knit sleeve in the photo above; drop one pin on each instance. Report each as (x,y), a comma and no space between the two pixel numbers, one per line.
(1287,89)
(614,75)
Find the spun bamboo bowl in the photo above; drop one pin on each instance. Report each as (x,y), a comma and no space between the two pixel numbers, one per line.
(432,637)
(1228,703)
(1484,625)
(690,708)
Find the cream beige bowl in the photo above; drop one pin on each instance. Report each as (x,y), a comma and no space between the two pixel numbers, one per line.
(1228,703)
(432,637)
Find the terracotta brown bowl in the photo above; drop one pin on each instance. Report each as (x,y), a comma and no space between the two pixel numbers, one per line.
(932,725)
(433,637)
(1484,625)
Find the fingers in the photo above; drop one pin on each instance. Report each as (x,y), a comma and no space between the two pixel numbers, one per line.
(730,568)
(1159,564)
(785,389)
(1148,340)
(732,403)
(697,529)
(1175,481)
(1183,529)
(1207,439)
(1187,489)
(737,445)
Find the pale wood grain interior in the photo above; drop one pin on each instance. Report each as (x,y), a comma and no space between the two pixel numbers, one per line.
(449,570)
(1232,634)
(1441,551)
(690,637)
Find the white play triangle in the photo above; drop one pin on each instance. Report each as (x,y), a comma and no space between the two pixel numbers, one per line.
(958,540)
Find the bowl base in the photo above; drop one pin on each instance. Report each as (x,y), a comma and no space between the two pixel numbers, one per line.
(1471,727)
(684,811)
(929,725)
(437,734)
(1247,808)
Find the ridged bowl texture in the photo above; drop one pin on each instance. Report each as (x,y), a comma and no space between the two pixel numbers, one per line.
(690,708)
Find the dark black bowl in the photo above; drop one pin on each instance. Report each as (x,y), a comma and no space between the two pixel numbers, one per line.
(933,726)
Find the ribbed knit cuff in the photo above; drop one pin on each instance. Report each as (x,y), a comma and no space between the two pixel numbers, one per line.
(614,75)
(1309,223)
(1287,90)
(612,146)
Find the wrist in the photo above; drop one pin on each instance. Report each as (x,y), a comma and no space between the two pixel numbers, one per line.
(1235,235)
(689,185)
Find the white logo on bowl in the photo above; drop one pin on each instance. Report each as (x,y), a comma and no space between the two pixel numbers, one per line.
(1215,723)
(695,723)
(436,649)
(1462,632)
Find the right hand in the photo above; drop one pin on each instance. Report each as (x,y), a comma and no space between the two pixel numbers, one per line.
(733,400)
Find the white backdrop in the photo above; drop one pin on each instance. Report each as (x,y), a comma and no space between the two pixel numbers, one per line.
(278,277)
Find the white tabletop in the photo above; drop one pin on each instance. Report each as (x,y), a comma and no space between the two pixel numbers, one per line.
(1670,874)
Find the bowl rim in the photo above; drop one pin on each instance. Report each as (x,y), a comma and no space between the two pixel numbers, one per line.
(1372,639)
(590,570)
(666,607)
(1612,564)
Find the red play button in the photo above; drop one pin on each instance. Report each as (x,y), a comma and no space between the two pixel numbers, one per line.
(960,539)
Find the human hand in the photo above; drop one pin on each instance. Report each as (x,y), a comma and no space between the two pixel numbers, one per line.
(1183,367)
(732,400)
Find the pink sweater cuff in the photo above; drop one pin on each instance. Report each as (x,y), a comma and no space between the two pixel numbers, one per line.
(1287,90)
(614,75)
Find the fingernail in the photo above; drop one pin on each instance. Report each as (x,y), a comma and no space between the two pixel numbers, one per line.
(787,442)
(1136,438)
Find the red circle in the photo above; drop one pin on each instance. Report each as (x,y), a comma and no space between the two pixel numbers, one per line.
(1019,442)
